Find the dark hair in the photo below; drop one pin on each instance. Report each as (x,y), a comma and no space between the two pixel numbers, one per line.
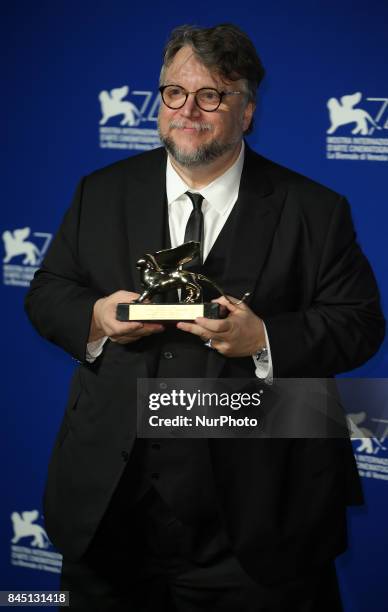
(223,48)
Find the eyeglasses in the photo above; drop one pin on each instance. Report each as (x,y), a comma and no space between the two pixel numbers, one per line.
(206,98)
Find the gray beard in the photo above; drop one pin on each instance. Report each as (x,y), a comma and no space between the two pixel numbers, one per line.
(202,156)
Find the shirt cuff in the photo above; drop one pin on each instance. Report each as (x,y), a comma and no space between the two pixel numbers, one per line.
(263,364)
(94,349)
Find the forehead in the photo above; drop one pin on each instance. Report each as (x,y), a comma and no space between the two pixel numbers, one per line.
(186,68)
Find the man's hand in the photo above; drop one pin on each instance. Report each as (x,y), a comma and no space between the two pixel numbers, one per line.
(241,334)
(104,321)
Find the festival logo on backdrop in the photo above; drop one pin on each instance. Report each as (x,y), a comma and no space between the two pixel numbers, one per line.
(371,451)
(129,119)
(24,252)
(360,127)
(30,545)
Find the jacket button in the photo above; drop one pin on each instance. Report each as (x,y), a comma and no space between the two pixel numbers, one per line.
(155,476)
(168,355)
(125,455)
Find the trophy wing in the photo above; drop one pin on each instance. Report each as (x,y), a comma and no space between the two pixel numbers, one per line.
(173,258)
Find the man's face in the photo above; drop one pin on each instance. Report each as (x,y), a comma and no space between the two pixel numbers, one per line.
(195,137)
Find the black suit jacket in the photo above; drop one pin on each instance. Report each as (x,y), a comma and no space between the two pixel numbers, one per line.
(294,249)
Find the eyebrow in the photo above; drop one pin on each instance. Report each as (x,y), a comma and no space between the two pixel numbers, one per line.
(218,88)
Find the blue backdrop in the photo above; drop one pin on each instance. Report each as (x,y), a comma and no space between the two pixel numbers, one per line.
(323,111)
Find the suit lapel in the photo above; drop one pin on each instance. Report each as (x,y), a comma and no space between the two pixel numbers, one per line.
(146,218)
(259,206)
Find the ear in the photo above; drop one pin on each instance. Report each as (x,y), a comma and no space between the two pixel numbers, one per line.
(248,114)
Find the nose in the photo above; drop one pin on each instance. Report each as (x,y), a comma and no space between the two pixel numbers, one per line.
(190,109)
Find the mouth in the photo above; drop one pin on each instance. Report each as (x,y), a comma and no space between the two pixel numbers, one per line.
(191,128)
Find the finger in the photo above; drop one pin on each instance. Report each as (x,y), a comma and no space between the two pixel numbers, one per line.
(194,329)
(151,328)
(218,326)
(123,296)
(136,335)
(227,302)
(144,330)
(232,301)
(124,339)
(116,328)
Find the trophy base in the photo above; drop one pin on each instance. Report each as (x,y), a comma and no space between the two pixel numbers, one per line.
(158,313)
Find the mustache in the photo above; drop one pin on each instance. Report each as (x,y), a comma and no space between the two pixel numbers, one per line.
(196,125)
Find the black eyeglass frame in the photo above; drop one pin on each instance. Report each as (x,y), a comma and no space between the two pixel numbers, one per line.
(221,95)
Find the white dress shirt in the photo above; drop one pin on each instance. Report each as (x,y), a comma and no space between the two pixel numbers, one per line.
(219,198)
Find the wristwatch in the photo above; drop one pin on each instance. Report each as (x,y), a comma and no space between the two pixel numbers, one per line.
(261,353)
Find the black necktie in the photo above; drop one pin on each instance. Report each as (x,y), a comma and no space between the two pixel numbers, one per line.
(194,227)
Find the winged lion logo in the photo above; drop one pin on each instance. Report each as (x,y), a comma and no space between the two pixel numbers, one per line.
(23,527)
(15,243)
(343,112)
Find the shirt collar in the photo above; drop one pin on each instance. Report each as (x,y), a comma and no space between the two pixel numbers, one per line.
(220,193)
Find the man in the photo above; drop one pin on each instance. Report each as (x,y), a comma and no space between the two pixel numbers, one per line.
(216,524)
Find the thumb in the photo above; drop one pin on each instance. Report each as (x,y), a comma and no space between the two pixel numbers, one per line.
(227,303)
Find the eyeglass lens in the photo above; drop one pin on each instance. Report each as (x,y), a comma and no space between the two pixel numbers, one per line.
(175,97)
